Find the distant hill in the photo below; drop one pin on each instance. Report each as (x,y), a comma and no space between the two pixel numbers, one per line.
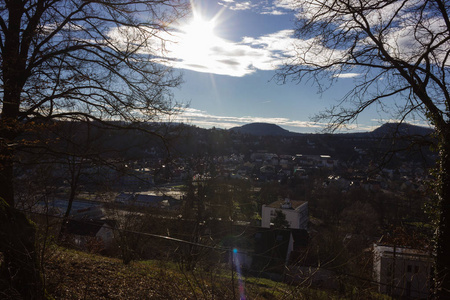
(385,130)
(263,129)
(394,130)
(402,129)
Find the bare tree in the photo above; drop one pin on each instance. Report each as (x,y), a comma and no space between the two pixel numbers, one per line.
(398,53)
(73,59)
(81,60)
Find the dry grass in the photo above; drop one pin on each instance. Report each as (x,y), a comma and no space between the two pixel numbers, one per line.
(72,274)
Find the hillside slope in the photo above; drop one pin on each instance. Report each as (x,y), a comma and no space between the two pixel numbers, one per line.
(71,274)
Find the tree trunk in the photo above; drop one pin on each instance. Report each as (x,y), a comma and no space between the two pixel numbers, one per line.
(6,174)
(20,277)
(442,267)
(75,175)
(9,130)
(13,80)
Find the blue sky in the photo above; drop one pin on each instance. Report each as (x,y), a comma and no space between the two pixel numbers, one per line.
(228,52)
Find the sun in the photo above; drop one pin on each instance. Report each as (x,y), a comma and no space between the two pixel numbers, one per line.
(196,44)
(199,28)
(198,39)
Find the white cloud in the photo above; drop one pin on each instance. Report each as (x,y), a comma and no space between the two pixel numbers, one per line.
(223,57)
(243,6)
(215,55)
(272,7)
(273,12)
(404,37)
(207,53)
(204,119)
(347,75)
(410,41)
(287,4)
(235,5)
(311,52)
(204,51)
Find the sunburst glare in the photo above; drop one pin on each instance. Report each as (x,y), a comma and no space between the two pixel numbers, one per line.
(199,38)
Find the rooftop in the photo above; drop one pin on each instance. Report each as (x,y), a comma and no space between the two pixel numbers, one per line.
(294,204)
(404,252)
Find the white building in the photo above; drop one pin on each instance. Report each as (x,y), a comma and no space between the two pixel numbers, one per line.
(296,213)
(401,271)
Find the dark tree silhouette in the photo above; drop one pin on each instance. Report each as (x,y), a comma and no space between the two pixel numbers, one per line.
(78,60)
(279,221)
(398,53)
(83,60)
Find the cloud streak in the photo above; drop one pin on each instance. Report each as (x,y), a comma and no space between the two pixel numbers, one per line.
(270,7)
(347,75)
(204,119)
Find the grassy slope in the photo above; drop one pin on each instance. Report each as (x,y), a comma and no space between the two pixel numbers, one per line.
(71,274)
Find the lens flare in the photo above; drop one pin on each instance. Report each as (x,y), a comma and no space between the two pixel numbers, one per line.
(237,266)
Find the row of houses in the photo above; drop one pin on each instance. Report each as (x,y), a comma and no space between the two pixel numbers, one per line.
(262,166)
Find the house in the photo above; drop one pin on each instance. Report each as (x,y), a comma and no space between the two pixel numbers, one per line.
(402,271)
(296,213)
(274,249)
(91,233)
(301,240)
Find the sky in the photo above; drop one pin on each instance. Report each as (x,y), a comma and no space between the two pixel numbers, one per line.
(228,52)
